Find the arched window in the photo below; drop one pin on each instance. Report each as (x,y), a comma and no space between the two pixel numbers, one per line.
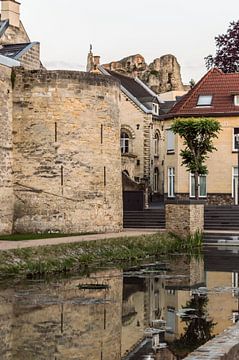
(156,144)
(124,142)
(156,180)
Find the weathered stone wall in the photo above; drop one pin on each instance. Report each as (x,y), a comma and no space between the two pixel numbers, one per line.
(184,219)
(223,347)
(60,321)
(211,199)
(67,166)
(14,35)
(162,75)
(6,186)
(31,59)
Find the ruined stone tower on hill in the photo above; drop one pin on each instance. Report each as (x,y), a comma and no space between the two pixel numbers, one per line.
(162,75)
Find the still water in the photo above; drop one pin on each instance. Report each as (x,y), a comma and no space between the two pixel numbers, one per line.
(111,314)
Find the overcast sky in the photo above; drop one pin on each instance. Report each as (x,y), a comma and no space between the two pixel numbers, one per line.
(184,28)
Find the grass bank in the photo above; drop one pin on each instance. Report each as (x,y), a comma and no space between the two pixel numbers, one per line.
(69,257)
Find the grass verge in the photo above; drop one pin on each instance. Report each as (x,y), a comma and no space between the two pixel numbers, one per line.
(69,257)
(21,237)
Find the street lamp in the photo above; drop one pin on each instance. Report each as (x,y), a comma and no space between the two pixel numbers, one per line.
(237,148)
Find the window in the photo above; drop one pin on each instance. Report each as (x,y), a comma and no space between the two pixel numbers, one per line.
(124,143)
(235,317)
(204,100)
(202,185)
(171,319)
(170,141)
(236,100)
(156,180)
(235,289)
(155,109)
(235,184)
(235,140)
(156,145)
(171,182)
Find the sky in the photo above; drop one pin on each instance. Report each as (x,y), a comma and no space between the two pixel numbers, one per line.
(116,29)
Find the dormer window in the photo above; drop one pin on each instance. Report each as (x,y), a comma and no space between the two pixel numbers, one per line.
(155,109)
(236,100)
(204,100)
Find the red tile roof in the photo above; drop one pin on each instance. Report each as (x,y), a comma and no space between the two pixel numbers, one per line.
(221,86)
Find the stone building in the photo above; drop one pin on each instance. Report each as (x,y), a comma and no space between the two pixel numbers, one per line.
(141,130)
(60,167)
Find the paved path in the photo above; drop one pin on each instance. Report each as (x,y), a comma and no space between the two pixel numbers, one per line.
(9,245)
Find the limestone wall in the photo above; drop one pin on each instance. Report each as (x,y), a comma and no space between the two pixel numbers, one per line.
(14,35)
(184,219)
(67,166)
(31,59)
(6,190)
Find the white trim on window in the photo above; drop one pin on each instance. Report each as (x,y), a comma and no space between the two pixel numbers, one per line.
(155,109)
(234,139)
(192,193)
(171,182)
(170,136)
(236,100)
(204,100)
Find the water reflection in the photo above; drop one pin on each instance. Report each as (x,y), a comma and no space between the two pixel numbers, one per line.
(59,321)
(111,315)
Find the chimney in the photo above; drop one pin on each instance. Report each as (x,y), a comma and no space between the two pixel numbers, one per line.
(11,11)
(96,60)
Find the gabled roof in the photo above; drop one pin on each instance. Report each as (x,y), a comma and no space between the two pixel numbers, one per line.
(15,51)
(135,89)
(4,60)
(221,86)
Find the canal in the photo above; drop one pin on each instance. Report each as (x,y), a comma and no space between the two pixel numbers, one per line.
(157,310)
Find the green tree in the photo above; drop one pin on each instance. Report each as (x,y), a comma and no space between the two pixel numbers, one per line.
(198,326)
(198,135)
(227,50)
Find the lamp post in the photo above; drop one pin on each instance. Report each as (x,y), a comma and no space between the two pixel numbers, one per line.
(237,148)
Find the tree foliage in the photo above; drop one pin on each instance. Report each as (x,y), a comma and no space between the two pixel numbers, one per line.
(198,326)
(227,50)
(198,135)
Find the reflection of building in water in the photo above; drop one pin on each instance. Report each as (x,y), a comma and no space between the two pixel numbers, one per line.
(178,291)
(62,321)
(222,269)
(157,294)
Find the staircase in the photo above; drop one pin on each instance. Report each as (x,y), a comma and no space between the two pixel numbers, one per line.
(146,219)
(221,218)
(221,238)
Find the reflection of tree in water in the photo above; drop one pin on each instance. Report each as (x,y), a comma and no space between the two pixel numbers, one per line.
(198,329)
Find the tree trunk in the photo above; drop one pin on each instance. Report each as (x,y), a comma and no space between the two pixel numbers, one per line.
(196,176)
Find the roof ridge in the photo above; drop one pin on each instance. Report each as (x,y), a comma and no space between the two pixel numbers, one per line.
(195,89)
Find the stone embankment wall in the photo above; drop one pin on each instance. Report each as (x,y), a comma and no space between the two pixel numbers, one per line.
(67,164)
(6,186)
(223,347)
